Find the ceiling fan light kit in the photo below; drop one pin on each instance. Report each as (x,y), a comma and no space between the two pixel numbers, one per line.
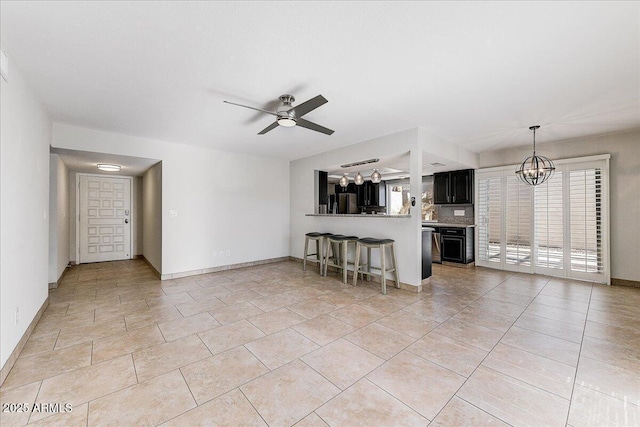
(289,116)
(535,170)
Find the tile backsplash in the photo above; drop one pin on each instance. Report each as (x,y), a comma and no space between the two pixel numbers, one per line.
(447,215)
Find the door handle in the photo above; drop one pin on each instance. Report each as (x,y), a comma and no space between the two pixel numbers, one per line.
(126,221)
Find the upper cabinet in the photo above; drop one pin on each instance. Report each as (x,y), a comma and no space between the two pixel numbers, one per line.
(371,194)
(455,187)
(351,188)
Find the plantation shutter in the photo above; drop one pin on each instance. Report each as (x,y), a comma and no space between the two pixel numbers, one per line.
(519,216)
(489,218)
(586,220)
(549,223)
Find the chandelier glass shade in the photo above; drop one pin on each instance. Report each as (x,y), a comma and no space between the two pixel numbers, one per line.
(344,181)
(376,177)
(358,179)
(534,170)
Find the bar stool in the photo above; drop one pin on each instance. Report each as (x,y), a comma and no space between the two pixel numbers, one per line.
(382,244)
(339,257)
(319,239)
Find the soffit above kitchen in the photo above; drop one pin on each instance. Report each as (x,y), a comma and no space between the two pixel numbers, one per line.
(476,74)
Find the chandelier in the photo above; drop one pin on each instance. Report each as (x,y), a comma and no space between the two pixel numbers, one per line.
(535,170)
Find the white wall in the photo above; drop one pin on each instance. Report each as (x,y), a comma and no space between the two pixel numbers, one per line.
(225,201)
(624,188)
(136,216)
(152,216)
(58,218)
(24,208)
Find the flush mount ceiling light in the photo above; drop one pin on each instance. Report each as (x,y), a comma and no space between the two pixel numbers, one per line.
(535,170)
(286,121)
(344,181)
(376,177)
(107,167)
(360,163)
(358,179)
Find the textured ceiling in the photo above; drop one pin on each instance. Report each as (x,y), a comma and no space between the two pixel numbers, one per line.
(477,74)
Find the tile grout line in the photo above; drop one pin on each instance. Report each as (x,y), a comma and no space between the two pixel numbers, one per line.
(575,378)
(251,403)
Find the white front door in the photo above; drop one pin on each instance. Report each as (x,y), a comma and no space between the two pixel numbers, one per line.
(104,218)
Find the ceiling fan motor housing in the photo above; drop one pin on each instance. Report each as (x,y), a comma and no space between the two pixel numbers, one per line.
(286,115)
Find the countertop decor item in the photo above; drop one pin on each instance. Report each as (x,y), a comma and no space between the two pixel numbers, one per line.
(535,170)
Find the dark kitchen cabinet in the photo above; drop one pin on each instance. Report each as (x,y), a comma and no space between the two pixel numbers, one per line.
(454,187)
(372,194)
(351,188)
(427,237)
(457,244)
(323,183)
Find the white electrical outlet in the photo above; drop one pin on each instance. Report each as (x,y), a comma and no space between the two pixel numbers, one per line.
(221,254)
(458,212)
(17,316)
(173,213)
(215,254)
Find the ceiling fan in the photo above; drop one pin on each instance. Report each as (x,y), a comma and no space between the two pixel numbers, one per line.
(288,115)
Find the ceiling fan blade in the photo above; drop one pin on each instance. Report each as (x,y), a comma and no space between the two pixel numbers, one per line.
(309,105)
(310,125)
(268,128)
(253,108)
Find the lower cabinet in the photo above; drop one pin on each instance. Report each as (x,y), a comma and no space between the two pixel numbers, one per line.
(457,244)
(427,234)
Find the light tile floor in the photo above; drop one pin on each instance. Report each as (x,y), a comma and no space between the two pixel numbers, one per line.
(273,345)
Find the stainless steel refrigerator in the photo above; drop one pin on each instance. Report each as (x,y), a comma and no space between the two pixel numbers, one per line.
(348,203)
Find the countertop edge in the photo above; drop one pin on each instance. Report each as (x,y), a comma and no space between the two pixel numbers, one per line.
(359,216)
(449,225)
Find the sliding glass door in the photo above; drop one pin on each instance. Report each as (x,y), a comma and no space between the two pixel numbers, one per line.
(559,228)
